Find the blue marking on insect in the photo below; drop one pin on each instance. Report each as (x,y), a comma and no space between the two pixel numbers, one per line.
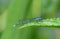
(38,18)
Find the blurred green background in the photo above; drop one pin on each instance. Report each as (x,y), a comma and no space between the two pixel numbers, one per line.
(13,10)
